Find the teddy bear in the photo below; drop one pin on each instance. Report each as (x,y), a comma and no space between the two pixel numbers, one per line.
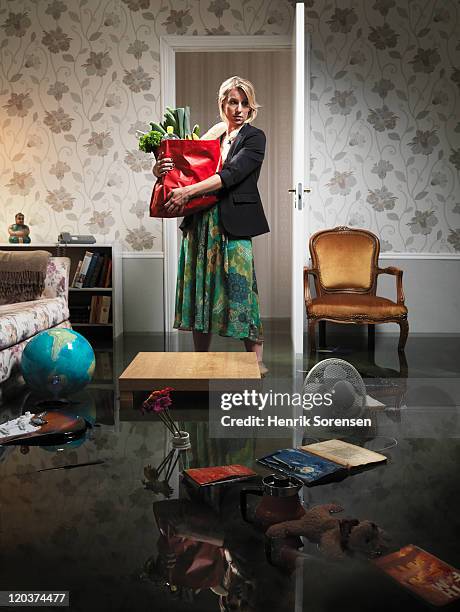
(335,537)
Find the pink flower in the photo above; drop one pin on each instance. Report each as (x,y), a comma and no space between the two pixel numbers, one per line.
(159,402)
(162,403)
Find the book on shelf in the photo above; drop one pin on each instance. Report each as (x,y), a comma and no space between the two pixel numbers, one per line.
(84,269)
(77,272)
(96,271)
(104,310)
(90,271)
(94,309)
(218,474)
(435,581)
(102,271)
(99,309)
(108,275)
(322,461)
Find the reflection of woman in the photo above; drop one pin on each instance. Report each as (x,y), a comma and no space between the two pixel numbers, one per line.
(216,287)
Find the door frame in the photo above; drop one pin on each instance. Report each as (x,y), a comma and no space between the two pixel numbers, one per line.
(301,161)
(169,46)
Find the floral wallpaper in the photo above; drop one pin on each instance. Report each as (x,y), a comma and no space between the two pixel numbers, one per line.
(77,79)
(385,138)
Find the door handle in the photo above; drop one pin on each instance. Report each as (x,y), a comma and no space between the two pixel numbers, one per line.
(299,191)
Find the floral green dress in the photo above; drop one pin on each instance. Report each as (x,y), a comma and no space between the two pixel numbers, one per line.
(216,283)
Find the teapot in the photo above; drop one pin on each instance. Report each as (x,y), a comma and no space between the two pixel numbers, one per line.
(280,501)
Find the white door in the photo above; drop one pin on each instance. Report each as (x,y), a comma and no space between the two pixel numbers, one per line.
(300,156)
(300,174)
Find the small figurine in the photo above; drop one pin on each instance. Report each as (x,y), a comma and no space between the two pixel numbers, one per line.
(19,231)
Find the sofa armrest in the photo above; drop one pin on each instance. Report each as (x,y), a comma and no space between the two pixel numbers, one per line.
(57,278)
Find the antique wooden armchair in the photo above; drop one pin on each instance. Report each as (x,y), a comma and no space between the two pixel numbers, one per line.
(345,270)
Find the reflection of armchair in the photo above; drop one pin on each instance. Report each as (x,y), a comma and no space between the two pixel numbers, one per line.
(345,270)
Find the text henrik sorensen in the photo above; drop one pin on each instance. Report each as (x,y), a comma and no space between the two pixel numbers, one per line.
(300,421)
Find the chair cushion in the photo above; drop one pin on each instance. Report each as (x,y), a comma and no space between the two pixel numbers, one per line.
(345,260)
(350,305)
(25,319)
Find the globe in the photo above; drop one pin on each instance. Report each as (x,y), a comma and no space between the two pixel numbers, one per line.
(58,361)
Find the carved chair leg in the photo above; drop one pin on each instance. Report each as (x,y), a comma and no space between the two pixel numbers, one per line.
(322,334)
(371,337)
(403,333)
(403,366)
(311,334)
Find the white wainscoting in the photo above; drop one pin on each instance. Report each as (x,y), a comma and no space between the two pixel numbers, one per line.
(438,256)
(431,285)
(143,292)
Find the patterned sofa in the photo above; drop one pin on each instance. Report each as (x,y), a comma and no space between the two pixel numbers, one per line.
(22,321)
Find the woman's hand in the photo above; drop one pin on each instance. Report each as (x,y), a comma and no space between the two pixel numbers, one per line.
(162,166)
(177,200)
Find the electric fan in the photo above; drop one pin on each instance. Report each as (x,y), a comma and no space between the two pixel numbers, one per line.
(343,382)
(349,400)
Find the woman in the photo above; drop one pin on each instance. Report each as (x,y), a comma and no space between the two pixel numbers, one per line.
(216,286)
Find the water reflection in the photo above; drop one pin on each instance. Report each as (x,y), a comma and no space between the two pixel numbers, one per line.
(92,529)
(217,561)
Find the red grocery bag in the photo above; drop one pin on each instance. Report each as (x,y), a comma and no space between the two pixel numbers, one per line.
(194,161)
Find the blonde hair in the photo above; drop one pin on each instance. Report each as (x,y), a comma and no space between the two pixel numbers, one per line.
(236,82)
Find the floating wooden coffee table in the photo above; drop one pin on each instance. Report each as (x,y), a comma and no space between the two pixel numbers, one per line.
(184,372)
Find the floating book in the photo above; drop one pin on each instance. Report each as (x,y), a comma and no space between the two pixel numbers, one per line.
(218,474)
(344,453)
(311,469)
(436,582)
(322,461)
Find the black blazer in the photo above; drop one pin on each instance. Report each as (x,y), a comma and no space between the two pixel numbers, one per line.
(240,206)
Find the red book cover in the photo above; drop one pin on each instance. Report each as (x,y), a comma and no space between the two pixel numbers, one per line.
(219,473)
(424,574)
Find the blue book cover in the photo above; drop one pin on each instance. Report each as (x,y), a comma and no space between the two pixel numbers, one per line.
(309,468)
(90,271)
